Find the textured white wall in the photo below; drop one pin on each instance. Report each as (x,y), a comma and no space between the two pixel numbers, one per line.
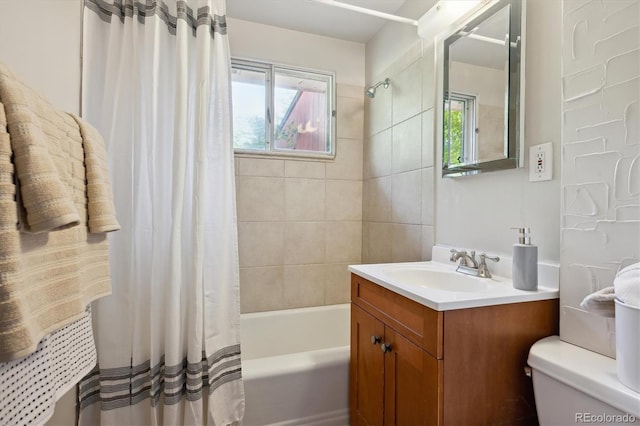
(601,159)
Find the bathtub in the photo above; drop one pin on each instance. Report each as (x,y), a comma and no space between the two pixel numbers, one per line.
(295,366)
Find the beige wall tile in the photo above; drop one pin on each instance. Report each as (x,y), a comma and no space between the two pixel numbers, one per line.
(380,109)
(428,77)
(261,243)
(428,138)
(406,243)
(343,200)
(379,250)
(428,196)
(304,199)
(428,239)
(406,206)
(260,198)
(350,118)
(343,242)
(366,161)
(407,97)
(380,154)
(261,289)
(300,220)
(365,242)
(304,169)
(337,288)
(304,285)
(408,58)
(379,205)
(303,243)
(348,161)
(407,145)
(350,91)
(260,167)
(366,201)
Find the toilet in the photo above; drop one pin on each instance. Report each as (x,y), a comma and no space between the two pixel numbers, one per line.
(573,385)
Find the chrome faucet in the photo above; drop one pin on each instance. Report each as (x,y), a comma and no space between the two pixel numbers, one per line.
(467,263)
(483,271)
(463,258)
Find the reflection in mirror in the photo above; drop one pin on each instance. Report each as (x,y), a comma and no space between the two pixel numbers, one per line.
(481,105)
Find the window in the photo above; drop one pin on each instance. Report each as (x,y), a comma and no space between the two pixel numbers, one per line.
(284,110)
(459,128)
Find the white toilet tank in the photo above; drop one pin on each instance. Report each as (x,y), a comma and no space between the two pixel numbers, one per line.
(573,386)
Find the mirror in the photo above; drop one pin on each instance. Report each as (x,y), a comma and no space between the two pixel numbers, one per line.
(483,92)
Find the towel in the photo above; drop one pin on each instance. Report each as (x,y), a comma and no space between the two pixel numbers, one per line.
(626,288)
(30,386)
(100,208)
(601,302)
(627,285)
(47,279)
(38,139)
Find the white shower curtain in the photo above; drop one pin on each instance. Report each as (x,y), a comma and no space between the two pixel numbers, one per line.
(156,83)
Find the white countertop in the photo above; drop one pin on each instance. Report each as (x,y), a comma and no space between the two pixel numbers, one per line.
(490,291)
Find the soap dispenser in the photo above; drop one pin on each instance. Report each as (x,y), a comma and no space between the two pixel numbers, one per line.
(525,262)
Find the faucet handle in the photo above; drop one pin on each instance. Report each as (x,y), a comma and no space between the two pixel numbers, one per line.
(484,256)
(483,271)
(455,254)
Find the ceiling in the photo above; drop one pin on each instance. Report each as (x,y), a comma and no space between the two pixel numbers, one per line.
(316,18)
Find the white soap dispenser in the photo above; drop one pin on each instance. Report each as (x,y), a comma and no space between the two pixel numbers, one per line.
(525,262)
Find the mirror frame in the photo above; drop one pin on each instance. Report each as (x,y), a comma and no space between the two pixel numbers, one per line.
(515,123)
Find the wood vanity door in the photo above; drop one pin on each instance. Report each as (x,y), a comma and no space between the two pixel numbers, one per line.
(366,370)
(411,383)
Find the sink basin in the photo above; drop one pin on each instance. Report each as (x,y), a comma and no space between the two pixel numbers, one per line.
(437,285)
(436,279)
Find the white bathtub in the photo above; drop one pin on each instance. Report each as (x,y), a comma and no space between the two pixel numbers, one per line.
(295,366)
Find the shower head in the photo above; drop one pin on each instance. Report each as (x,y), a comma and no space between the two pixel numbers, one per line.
(371,90)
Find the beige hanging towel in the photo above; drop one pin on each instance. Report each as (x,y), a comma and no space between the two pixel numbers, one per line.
(51,264)
(100,208)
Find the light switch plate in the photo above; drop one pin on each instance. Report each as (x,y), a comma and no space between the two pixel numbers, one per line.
(541,162)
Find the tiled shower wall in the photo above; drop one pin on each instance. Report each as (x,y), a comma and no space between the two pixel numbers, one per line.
(600,159)
(300,221)
(398,168)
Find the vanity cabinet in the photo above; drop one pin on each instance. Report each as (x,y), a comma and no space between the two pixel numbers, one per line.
(411,365)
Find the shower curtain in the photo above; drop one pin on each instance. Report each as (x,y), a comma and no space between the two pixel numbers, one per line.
(156,84)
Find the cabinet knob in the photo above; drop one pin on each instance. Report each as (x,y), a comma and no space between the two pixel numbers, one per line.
(385,347)
(375,340)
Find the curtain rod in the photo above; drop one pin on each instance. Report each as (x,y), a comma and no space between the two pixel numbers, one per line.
(371,12)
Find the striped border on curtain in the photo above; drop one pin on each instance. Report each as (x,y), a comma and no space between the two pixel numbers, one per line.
(122,386)
(122,9)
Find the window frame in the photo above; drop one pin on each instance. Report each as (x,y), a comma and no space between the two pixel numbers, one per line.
(468,152)
(270,69)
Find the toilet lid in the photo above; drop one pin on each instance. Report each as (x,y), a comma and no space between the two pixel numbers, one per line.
(584,370)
